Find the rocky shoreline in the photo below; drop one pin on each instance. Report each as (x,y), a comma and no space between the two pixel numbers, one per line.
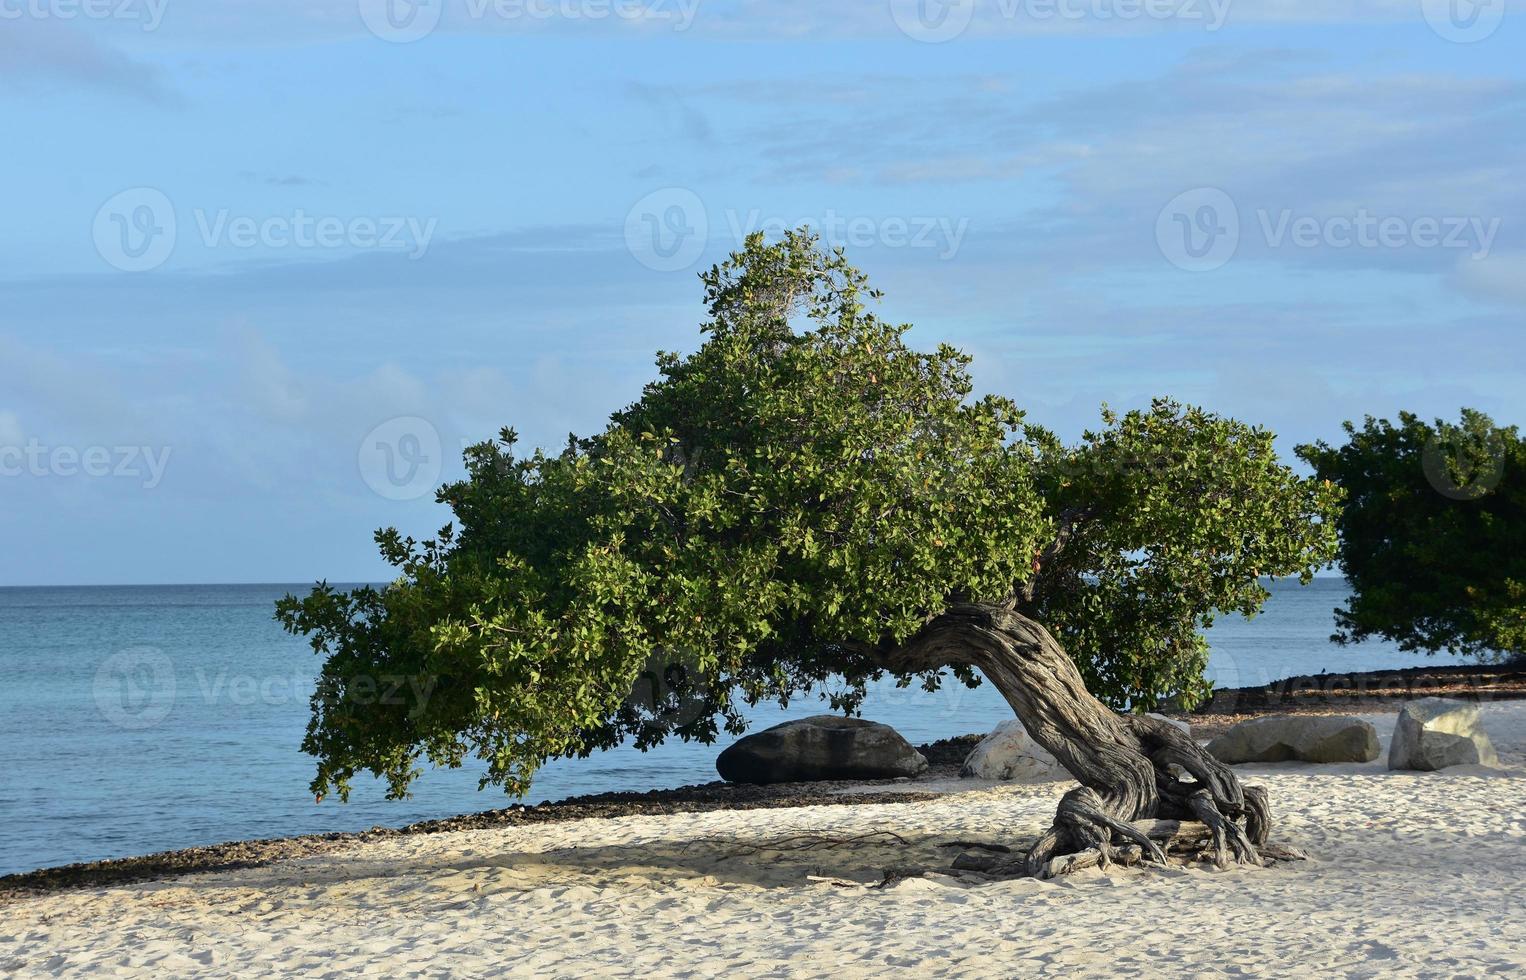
(1317,694)
(1352,693)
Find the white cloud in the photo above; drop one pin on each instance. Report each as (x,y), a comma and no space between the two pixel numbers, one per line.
(11,433)
(272,386)
(1500,277)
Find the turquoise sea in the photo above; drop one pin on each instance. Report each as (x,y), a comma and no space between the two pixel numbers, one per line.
(144,718)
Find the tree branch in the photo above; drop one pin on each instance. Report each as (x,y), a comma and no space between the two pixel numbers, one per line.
(1070,519)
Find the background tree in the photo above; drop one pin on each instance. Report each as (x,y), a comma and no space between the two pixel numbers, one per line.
(1433,533)
(808,498)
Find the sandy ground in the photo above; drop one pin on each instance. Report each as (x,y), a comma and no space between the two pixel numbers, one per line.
(1413,875)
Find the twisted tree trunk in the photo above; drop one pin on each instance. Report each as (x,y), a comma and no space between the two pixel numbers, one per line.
(1129,767)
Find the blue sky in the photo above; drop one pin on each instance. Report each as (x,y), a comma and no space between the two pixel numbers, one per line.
(267,267)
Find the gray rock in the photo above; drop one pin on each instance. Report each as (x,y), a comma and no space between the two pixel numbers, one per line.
(1175,722)
(820,748)
(978,860)
(1010,753)
(1434,733)
(1297,738)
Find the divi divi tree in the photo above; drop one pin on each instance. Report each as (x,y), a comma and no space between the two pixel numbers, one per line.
(808,503)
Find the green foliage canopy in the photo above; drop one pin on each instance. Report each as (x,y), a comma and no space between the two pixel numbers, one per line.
(1433,533)
(802,490)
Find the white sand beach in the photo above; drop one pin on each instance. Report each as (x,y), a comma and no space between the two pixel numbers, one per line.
(1413,874)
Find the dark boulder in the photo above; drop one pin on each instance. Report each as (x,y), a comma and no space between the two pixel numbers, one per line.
(819,748)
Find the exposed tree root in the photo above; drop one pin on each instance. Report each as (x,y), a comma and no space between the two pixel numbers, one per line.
(1130,767)
(1177,844)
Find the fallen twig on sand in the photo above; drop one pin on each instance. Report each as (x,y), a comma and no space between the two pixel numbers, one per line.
(801,842)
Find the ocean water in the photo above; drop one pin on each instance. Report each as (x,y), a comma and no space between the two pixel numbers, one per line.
(138,719)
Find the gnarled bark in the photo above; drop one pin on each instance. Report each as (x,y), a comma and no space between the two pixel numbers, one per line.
(1129,767)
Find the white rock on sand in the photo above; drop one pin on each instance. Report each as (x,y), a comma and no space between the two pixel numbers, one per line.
(674,895)
(1436,733)
(1009,754)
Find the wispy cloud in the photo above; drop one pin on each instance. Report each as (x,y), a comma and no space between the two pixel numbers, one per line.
(681,118)
(1288,137)
(42,53)
(287,180)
